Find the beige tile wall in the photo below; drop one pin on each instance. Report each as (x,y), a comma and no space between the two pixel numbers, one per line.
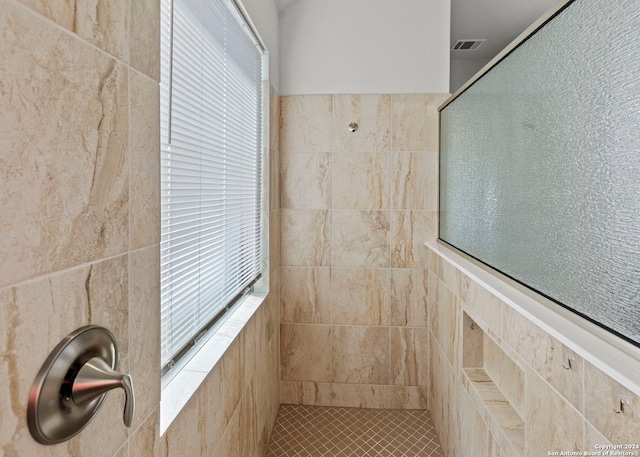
(79,233)
(562,409)
(356,209)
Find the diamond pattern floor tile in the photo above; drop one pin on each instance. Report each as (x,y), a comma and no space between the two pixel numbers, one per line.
(317,431)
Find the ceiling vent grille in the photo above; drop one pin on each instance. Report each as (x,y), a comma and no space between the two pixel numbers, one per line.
(466,45)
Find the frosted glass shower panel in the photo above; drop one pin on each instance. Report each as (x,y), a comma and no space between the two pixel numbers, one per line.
(540,164)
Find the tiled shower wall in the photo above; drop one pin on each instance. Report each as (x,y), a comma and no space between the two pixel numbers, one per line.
(502,387)
(356,208)
(79,234)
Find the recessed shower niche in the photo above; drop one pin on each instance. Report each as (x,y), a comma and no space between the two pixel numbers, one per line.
(495,383)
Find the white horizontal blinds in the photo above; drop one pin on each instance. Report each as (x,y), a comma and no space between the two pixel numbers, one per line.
(211,170)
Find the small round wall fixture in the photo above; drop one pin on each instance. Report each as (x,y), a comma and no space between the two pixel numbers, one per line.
(72,385)
(353,127)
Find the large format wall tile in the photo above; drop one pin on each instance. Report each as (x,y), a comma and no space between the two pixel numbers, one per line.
(306,237)
(372,113)
(305,295)
(360,238)
(409,292)
(305,393)
(410,230)
(546,355)
(144,328)
(377,269)
(104,24)
(564,432)
(144,47)
(35,317)
(360,355)
(144,161)
(65,198)
(361,181)
(415,180)
(603,398)
(360,296)
(409,352)
(444,320)
(415,121)
(305,181)
(305,352)
(305,124)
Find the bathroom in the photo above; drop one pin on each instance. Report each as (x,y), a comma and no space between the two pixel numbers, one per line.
(349,214)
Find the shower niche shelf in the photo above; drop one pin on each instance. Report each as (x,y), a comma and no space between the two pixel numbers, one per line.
(496,386)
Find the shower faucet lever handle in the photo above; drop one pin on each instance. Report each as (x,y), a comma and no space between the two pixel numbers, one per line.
(96,378)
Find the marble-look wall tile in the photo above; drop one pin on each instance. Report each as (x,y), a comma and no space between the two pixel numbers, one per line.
(229,445)
(451,276)
(274,119)
(593,438)
(445,321)
(64,172)
(485,307)
(251,348)
(145,442)
(407,397)
(415,181)
(232,377)
(305,180)
(305,393)
(410,229)
(274,179)
(508,376)
(275,248)
(551,424)
(360,296)
(103,24)
(360,238)
(267,381)
(358,395)
(409,292)
(305,237)
(409,352)
(35,316)
(144,47)
(305,295)
(248,421)
(474,434)
(144,163)
(372,113)
(305,352)
(472,343)
(442,398)
(144,328)
(361,181)
(602,400)
(305,123)
(545,354)
(360,355)
(415,121)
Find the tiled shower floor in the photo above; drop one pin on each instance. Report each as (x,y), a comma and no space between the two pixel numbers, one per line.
(310,431)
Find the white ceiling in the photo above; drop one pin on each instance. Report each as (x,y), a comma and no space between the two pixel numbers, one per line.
(497,21)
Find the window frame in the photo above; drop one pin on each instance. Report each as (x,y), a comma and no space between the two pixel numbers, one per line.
(256,292)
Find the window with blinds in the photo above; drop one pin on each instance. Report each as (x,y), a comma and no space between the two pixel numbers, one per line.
(211,141)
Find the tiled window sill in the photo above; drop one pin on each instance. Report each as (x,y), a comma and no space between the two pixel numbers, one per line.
(179,385)
(615,357)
